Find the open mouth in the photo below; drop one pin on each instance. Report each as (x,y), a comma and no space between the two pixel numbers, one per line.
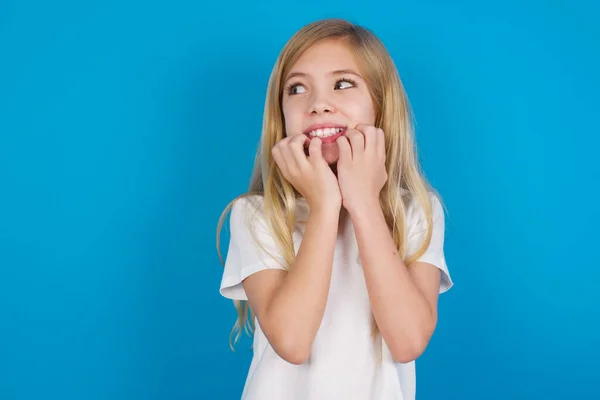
(327,135)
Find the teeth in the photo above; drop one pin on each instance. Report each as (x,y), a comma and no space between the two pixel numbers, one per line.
(325,132)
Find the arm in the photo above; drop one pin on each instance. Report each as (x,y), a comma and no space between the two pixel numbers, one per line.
(403,301)
(290,305)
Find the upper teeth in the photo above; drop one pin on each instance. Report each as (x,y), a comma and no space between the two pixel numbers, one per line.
(325,132)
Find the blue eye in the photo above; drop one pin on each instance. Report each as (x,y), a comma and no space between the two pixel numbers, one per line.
(295,88)
(345,84)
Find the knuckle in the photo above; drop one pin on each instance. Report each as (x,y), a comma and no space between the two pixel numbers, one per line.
(298,139)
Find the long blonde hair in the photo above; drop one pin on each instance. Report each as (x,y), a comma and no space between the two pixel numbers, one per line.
(393,115)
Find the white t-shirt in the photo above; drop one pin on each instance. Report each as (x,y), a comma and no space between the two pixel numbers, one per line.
(345,362)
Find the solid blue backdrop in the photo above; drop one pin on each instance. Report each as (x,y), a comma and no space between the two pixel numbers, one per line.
(126,127)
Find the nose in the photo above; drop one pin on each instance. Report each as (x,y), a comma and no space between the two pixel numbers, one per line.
(321,104)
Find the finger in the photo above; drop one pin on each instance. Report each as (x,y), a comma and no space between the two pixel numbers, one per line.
(370,137)
(362,128)
(380,143)
(314,150)
(279,158)
(345,157)
(296,147)
(357,141)
(298,140)
(284,149)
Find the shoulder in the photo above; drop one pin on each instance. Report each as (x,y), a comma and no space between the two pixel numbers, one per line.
(417,209)
(252,202)
(426,242)
(247,208)
(251,246)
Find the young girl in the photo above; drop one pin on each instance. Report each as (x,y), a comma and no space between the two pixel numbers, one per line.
(337,248)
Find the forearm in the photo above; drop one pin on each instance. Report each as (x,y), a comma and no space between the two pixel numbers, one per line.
(403,315)
(297,307)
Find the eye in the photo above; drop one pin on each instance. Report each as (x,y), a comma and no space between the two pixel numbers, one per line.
(345,84)
(295,88)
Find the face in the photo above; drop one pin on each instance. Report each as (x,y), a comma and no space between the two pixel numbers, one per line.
(325,94)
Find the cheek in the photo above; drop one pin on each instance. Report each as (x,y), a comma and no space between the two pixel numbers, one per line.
(368,112)
(291,119)
(360,110)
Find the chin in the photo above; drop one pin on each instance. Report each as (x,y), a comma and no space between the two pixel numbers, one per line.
(331,155)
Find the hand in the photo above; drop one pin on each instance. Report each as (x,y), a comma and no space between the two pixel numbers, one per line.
(311,176)
(361,167)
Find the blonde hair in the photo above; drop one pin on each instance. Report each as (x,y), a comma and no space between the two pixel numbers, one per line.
(393,115)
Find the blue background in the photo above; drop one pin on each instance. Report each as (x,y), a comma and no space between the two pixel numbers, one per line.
(126,127)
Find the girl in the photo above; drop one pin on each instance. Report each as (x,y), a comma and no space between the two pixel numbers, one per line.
(337,248)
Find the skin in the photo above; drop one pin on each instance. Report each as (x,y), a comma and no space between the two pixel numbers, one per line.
(290,305)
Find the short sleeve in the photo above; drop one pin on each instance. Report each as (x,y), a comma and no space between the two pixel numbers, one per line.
(417,230)
(251,247)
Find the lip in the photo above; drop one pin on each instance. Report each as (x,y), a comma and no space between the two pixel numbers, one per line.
(323,126)
(329,139)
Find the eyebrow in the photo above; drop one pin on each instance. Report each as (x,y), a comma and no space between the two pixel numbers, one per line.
(336,72)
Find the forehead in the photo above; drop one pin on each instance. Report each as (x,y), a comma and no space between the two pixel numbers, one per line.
(326,55)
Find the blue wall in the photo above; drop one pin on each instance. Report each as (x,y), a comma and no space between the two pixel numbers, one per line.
(125,128)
